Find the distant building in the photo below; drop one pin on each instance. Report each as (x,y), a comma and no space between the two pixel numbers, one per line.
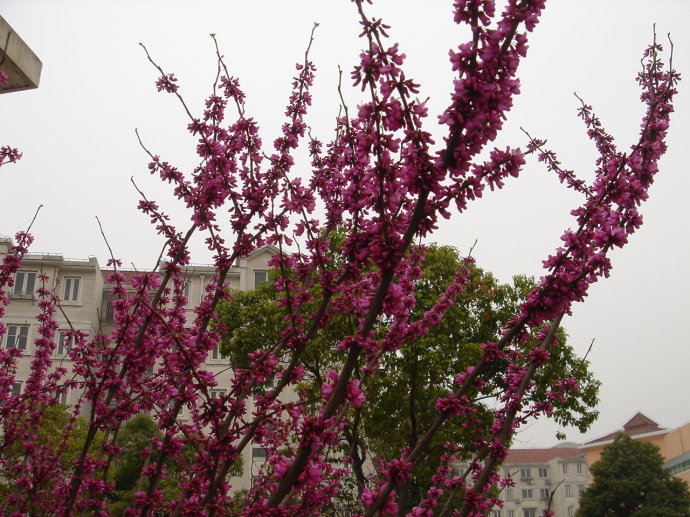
(87,306)
(557,476)
(674,444)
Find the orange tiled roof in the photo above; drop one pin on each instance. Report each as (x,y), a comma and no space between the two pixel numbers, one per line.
(128,274)
(541,455)
(638,424)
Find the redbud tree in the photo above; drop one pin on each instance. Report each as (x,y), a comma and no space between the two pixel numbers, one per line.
(381,182)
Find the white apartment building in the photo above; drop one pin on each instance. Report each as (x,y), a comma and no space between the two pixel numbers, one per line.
(557,475)
(87,305)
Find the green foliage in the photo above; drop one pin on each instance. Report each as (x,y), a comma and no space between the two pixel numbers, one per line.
(630,481)
(133,438)
(401,398)
(53,434)
(135,435)
(252,321)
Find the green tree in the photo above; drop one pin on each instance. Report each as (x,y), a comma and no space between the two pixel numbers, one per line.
(133,438)
(401,401)
(630,481)
(58,431)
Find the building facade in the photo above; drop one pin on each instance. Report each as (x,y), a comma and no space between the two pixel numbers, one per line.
(674,444)
(87,306)
(543,478)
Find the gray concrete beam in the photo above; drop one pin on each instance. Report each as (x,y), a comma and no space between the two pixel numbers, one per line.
(18,61)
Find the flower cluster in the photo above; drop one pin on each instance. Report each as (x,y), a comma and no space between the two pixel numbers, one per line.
(9,155)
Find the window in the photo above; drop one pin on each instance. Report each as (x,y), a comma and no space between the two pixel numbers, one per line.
(217,393)
(108,311)
(215,354)
(64,343)
(15,391)
(526,473)
(17,336)
(528,493)
(258,452)
(509,494)
(568,489)
(580,488)
(529,512)
(511,513)
(543,473)
(64,398)
(680,467)
(260,277)
(71,291)
(571,511)
(17,388)
(565,468)
(544,493)
(580,468)
(496,513)
(185,289)
(24,282)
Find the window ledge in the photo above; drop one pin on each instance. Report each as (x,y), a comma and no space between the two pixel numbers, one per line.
(27,297)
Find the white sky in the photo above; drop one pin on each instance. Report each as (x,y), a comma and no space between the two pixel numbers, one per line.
(77,135)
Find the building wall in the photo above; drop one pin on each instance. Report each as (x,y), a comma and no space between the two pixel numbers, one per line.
(572,482)
(594,450)
(81,313)
(91,312)
(672,444)
(563,473)
(676,442)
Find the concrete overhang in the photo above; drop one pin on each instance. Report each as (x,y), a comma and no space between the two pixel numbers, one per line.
(18,61)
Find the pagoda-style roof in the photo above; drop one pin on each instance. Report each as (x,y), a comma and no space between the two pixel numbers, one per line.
(637,425)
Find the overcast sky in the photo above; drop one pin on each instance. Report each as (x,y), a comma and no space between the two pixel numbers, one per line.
(77,135)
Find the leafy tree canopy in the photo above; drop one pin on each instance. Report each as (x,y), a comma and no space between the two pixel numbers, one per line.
(401,401)
(134,437)
(58,430)
(630,481)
